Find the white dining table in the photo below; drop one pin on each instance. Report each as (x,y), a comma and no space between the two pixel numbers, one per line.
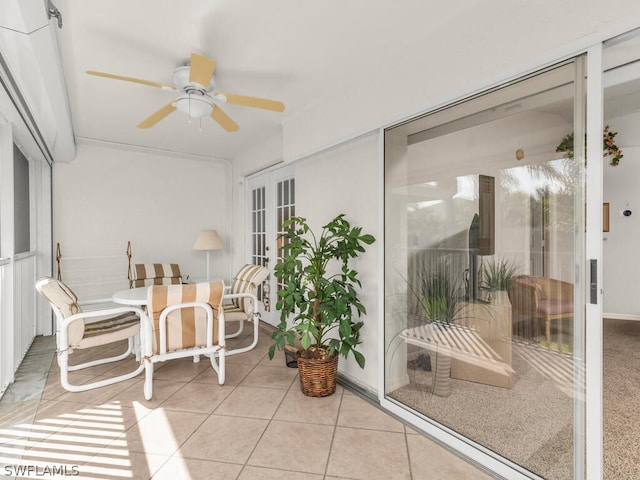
(136,297)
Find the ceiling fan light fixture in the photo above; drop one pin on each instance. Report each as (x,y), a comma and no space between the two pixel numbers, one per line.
(194,105)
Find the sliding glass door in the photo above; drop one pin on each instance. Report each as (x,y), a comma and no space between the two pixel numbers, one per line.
(485,271)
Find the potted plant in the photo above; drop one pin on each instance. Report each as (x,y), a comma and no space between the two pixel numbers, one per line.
(497,275)
(440,298)
(319,297)
(609,148)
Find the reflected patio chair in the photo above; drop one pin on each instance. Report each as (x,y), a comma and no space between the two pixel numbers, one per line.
(240,302)
(74,331)
(534,297)
(185,321)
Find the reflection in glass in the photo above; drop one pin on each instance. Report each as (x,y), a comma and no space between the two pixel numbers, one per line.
(480,269)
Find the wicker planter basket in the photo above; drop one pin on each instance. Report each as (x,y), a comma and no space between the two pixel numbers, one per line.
(318,375)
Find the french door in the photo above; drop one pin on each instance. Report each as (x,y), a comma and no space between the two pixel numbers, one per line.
(270,202)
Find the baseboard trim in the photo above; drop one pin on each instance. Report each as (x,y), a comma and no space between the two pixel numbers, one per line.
(621,316)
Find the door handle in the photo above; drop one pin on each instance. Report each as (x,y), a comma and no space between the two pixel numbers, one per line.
(593,282)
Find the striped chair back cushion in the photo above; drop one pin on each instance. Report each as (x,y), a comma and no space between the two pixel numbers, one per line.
(246,281)
(146,274)
(61,297)
(186,327)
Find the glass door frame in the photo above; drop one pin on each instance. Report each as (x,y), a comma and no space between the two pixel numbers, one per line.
(588,459)
(268,179)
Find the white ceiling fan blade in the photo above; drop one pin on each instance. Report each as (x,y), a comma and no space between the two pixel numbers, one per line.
(201,69)
(155,117)
(254,102)
(224,120)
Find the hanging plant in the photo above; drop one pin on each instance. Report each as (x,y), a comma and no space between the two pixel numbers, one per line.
(609,147)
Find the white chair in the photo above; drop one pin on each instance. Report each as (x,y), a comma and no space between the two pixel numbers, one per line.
(185,321)
(241,304)
(73,331)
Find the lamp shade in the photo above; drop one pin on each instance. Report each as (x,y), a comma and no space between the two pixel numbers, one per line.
(208,240)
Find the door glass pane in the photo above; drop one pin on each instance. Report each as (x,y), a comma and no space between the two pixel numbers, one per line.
(259,232)
(621,79)
(483,227)
(284,207)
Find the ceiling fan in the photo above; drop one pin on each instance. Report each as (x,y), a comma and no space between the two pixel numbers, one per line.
(197,98)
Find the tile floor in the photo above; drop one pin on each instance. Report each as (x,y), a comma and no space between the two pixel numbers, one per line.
(257,426)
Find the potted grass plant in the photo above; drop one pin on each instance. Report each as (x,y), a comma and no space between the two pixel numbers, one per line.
(496,276)
(319,302)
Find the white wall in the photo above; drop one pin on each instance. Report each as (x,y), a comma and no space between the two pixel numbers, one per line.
(621,254)
(522,36)
(108,196)
(344,180)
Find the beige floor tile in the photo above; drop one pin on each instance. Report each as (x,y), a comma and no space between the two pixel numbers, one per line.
(279,443)
(53,389)
(428,457)
(227,439)
(181,369)
(369,455)
(161,431)
(252,357)
(20,412)
(162,389)
(98,396)
(188,469)
(297,407)
(278,360)
(115,466)
(197,397)
(358,413)
(252,402)
(234,374)
(270,377)
(258,473)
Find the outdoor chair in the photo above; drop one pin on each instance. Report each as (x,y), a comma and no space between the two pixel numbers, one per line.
(186,321)
(544,298)
(146,274)
(241,303)
(74,331)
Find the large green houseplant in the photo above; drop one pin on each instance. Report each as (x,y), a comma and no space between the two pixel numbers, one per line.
(318,302)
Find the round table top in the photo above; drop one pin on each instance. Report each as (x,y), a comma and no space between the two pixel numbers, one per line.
(131,296)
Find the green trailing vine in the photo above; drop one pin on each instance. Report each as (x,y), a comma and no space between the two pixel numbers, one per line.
(609,147)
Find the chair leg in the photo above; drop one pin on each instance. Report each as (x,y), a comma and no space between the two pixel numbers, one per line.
(238,332)
(93,363)
(63,362)
(148,380)
(547,330)
(219,366)
(256,326)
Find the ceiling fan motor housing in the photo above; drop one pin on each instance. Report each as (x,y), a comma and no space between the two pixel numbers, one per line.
(182,82)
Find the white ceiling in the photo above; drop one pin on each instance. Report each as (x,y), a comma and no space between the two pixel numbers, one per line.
(304,53)
(296,51)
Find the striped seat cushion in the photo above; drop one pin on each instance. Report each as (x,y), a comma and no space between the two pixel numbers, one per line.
(110,330)
(186,327)
(146,274)
(246,281)
(233,313)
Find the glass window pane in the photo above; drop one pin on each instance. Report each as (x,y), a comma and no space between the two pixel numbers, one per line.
(481,215)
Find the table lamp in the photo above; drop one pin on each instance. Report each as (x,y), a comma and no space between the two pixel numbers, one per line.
(208,240)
